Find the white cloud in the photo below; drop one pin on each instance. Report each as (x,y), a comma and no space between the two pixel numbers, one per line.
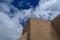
(46,7)
(4,7)
(9,30)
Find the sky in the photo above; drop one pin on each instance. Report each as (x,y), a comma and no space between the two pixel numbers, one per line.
(15,13)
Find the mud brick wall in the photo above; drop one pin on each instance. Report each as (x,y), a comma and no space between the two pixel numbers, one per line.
(56,23)
(38,29)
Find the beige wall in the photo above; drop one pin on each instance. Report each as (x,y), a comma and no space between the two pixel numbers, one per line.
(56,23)
(38,29)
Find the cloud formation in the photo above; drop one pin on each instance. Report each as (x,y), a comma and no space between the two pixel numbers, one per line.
(9,29)
(11,18)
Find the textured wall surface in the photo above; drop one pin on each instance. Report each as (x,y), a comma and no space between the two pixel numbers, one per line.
(56,23)
(39,30)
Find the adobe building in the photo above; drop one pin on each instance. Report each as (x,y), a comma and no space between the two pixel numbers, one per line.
(56,23)
(38,29)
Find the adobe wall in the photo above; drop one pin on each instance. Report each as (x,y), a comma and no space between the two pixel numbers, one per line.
(38,29)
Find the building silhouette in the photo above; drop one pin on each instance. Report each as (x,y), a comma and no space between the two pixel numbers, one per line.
(39,29)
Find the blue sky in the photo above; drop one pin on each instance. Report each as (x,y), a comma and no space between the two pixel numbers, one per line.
(15,13)
(25,4)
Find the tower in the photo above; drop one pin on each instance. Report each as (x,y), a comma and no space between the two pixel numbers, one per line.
(38,29)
